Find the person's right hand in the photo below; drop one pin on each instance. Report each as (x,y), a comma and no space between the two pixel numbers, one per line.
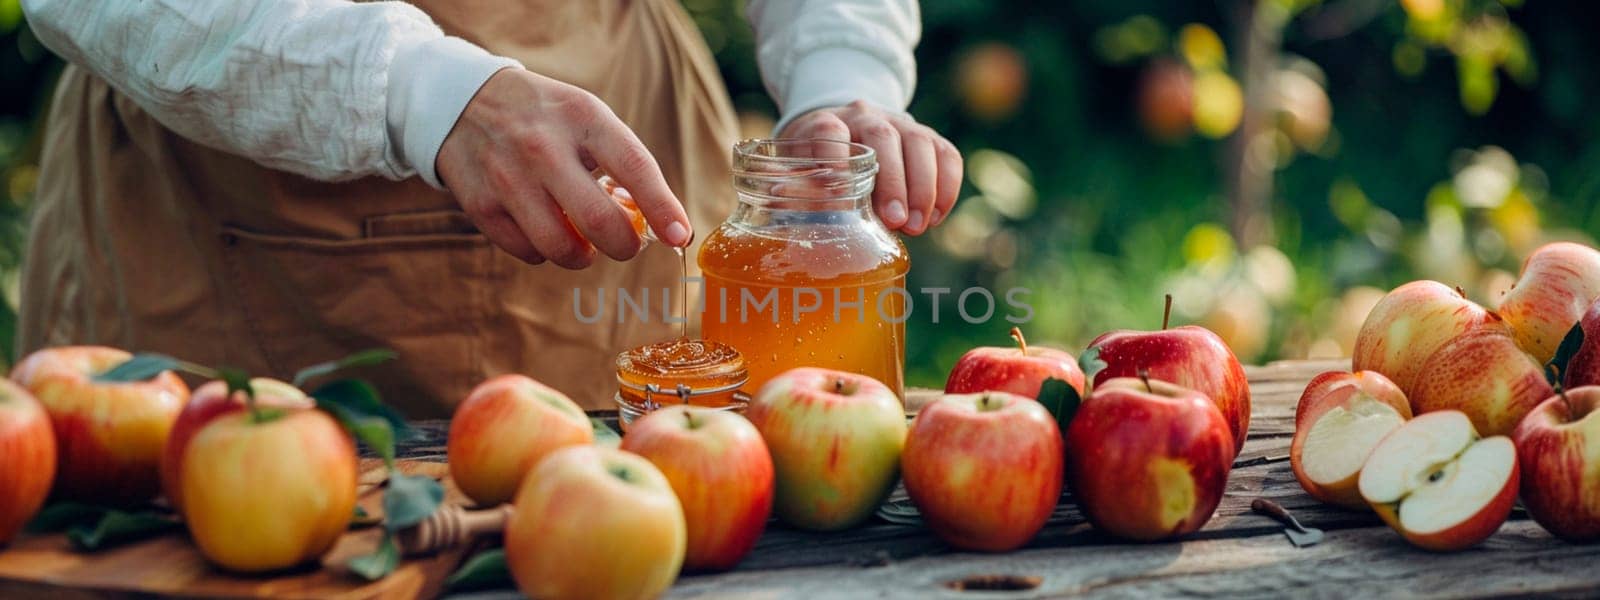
(519,162)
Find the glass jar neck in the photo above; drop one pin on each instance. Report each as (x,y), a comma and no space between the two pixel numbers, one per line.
(803,175)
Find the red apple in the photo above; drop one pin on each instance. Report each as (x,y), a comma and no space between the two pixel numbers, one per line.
(503,429)
(1484,374)
(835,439)
(721,472)
(1189,356)
(984,469)
(594,522)
(1583,368)
(1020,370)
(1411,323)
(1440,485)
(109,436)
(1147,459)
(27,458)
(1558,451)
(1340,418)
(268,492)
(209,402)
(1559,281)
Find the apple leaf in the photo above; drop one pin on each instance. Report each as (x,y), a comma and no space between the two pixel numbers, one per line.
(116,527)
(409,500)
(485,570)
(1089,362)
(1569,346)
(139,367)
(61,515)
(379,564)
(373,431)
(604,435)
(359,399)
(364,358)
(1060,399)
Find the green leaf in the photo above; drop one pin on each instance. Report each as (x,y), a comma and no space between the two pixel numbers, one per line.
(1569,346)
(409,500)
(485,570)
(139,367)
(362,400)
(604,435)
(373,431)
(379,564)
(116,527)
(1061,399)
(61,515)
(363,358)
(1089,362)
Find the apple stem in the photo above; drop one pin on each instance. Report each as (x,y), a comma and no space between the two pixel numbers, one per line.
(1022,343)
(1144,375)
(1461,292)
(838,386)
(1561,390)
(1166,314)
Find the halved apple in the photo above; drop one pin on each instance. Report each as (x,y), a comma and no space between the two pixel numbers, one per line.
(1439,484)
(1339,425)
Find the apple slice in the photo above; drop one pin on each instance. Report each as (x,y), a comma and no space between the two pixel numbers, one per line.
(1440,485)
(1330,447)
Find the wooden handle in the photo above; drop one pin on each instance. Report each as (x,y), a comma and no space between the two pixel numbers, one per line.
(1272,509)
(451,526)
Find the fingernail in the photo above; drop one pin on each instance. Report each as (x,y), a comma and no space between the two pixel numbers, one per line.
(915,222)
(895,213)
(677,234)
(933,219)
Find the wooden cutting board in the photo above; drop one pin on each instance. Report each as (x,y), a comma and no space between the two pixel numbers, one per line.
(170,567)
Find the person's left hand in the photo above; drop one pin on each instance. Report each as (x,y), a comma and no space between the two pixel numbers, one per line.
(919,172)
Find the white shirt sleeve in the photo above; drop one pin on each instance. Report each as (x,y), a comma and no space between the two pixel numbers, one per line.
(821,53)
(328,89)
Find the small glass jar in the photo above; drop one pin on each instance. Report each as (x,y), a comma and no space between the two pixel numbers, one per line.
(680,371)
(803,274)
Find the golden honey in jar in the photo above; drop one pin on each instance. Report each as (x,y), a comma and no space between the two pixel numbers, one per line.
(680,371)
(803,273)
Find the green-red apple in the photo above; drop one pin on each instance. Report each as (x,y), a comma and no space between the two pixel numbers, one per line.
(721,472)
(835,439)
(1558,283)
(109,436)
(1191,357)
(268,494)
(1484,374)
(503,429)
(595,522)
(1020,370)
(1558,450)
(27,458)
(984,469)
(1147,459)
(1412,322)
(209,402)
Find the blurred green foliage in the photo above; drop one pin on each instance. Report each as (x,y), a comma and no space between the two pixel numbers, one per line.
(1421,138)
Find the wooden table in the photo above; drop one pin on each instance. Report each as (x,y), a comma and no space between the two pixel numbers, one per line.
(1237,554)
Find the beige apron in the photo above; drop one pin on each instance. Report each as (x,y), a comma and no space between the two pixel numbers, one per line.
(147,241)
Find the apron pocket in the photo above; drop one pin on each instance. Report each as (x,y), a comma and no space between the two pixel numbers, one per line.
(416,284)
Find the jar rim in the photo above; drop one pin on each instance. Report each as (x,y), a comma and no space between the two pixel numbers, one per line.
(752,148)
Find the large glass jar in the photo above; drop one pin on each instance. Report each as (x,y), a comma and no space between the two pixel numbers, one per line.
(803,273)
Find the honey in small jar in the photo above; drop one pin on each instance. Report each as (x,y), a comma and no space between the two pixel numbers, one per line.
(803,273)
(680,371)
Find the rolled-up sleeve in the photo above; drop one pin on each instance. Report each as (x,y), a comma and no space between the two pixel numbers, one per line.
(328,89)
(820,53)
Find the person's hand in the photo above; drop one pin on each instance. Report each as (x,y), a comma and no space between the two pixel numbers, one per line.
(919,172)
(519,162)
